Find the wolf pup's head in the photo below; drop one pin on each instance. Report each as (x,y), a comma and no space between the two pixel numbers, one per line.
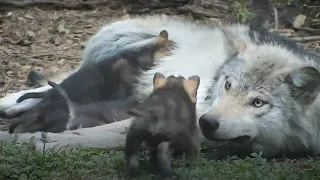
(259,101)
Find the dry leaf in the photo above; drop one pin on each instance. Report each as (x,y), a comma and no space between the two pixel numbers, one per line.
(9,14)
(78,31)
(62,29)
(28,16)
(22,19)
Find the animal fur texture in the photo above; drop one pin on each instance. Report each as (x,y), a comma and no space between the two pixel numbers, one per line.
(93,114)
(166,122)
(110,80)
(291,124)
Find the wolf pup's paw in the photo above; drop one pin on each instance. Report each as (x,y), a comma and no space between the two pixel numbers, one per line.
(132,170)
(167,174)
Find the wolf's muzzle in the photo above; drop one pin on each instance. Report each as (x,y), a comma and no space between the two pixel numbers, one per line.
(208,123)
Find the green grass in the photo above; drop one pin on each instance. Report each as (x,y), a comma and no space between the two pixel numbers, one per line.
(22,162)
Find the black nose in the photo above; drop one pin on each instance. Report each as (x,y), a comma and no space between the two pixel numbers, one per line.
(208,123)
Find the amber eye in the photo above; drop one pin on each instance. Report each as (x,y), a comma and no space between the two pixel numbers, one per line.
(227,85)
(258,102)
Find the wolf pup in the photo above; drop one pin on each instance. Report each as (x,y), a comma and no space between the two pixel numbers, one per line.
(166,123)
(122,70)
(93,114)
(119,72)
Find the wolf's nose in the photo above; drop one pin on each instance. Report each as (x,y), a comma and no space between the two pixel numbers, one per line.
(208,123)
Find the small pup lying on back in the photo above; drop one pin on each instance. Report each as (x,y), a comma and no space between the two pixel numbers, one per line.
(93,114)
(166,123)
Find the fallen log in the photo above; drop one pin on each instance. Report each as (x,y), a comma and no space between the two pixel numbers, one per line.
(310,38)
(110,137)
(58,4)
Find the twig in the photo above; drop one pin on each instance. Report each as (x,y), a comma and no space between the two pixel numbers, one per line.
(34,56)
(7,4)
(51,54)
(282,30)
(3,74)
(6,87)
(46,54)
(313,6)
(310,38)
(276,18)
(315,20)
(310,30)
(7,39)
(37,9)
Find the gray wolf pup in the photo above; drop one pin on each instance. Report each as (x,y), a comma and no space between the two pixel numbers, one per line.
(166,122)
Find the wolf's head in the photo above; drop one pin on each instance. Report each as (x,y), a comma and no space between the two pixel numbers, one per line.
(163,85)
(260,97)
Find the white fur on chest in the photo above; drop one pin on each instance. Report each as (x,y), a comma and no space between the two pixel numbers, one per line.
(199,52)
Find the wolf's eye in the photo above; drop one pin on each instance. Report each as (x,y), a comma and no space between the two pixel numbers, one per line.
(258,102)
(227,85)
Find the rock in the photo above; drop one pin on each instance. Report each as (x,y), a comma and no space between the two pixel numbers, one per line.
(30,34)
(28,16)
(126,16)
(299,21)
(61,62)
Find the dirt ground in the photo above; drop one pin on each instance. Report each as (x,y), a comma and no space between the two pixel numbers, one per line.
(47,41)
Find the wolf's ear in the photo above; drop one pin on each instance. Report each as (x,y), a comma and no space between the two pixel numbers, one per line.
(305,84)
(191,85)
(237,44)
(158,80)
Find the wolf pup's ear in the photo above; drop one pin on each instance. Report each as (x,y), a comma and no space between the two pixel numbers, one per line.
(191,85)
(158,80)
(162,38)
(305,84)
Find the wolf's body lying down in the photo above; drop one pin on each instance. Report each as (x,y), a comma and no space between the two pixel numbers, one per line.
(203,50)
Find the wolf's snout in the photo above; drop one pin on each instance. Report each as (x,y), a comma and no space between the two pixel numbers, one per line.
(208,123)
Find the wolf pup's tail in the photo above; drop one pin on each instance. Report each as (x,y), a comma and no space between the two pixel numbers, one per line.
(30,95)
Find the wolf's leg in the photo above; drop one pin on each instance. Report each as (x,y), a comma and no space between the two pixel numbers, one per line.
(9,106)
(164,159)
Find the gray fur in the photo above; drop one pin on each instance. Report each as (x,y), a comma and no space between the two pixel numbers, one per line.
(294,125)
(93,114)
(166,122)
(282,125)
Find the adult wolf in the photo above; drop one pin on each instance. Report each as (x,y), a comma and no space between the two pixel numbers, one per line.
(204,50)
